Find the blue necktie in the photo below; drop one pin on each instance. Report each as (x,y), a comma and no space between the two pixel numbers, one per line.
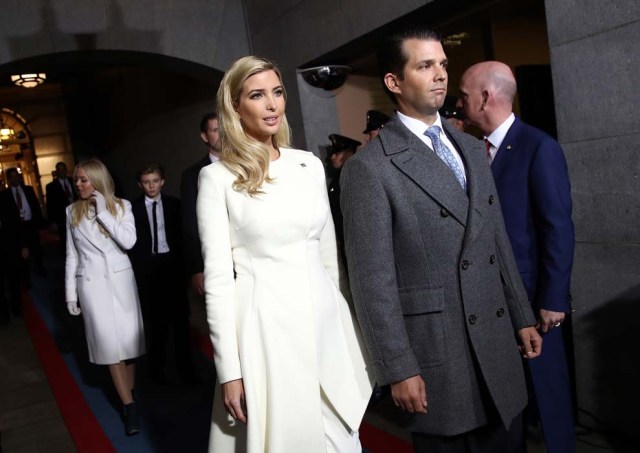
(446,154)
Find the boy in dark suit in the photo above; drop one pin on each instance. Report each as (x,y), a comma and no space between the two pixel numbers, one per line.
(157,263)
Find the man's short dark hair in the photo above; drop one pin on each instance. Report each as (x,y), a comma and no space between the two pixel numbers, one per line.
(391,56)
(59,164)
(151,167)
(204,122)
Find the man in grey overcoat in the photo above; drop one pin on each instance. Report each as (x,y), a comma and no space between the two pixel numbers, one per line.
(436,288)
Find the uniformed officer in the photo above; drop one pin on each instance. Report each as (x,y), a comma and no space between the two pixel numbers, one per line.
(375,121)
(340,150)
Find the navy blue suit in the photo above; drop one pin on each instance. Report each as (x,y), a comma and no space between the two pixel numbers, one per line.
(532,179)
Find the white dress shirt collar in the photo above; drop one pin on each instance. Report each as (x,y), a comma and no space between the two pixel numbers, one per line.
(418,128)
(497,137)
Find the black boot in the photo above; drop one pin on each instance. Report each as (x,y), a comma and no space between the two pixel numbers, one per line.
(131,423)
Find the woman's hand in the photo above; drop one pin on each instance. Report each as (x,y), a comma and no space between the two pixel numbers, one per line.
(97,200)
(233,398)
(73,308)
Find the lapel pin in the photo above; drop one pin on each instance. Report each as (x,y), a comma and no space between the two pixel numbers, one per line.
(508,146)
(303,165)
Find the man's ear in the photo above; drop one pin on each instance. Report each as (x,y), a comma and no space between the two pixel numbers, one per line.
(140,185)
(204,138)
(391,82)
(485,99)
(162,182)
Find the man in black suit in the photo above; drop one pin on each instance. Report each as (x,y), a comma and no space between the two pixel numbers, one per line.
(189,194)
(60,194)
(21,219)
(156,259)
(341,150)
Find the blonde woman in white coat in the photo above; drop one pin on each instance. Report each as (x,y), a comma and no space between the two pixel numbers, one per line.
(98,275)
(287,353)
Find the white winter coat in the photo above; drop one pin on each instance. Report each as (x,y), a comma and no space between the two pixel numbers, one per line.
(98,274)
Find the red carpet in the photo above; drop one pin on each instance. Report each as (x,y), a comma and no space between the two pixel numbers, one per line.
(85,430)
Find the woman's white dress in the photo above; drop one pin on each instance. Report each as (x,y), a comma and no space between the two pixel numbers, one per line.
(98,274)
(282,324)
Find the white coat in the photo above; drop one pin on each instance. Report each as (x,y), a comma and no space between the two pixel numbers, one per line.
(98,274)
(282,324)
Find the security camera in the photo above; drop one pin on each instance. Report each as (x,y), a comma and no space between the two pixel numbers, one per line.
(326,77)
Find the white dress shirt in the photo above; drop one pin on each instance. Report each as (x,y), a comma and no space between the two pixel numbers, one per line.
(163,246)
(419,128)
(497,137)
(26,209)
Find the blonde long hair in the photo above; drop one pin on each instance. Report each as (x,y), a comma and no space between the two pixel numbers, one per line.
(243,155)
(103,182)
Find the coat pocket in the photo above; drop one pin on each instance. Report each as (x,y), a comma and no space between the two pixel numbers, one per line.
(423,318)
(121,266)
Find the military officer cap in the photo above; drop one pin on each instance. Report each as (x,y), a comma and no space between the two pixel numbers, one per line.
(342,143)
(449,109)
(375,120)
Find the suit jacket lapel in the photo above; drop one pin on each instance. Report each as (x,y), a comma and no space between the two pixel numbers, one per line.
(140,209)
(425,168)
(505,152)
(473,167)
(85,229)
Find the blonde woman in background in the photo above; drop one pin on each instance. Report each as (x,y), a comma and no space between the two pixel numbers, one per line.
(286,348)
(98,275)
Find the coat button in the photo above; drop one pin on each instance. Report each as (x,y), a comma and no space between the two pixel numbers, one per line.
(492,259)
(490,199)
(465,265)
(444,212)
(473,319)
(500,312)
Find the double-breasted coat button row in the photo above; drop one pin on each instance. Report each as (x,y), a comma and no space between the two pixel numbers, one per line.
(500,312)
(492,259)
(490,199)
(473,319)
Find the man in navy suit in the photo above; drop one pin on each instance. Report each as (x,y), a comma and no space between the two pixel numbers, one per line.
(531,176)
(60,194)
(156,259)
(189,194)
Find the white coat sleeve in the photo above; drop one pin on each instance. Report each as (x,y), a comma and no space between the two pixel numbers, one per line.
(121,228)
(71,263)
(219,282)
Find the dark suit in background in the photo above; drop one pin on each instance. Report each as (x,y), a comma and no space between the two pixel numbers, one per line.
(162,289)
(16,235)
(189,194)
(57,202)
(532,179)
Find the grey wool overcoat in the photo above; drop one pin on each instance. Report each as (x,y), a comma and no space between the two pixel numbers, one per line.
(434,282)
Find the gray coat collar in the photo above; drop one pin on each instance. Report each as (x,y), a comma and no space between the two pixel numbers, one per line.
(420,163)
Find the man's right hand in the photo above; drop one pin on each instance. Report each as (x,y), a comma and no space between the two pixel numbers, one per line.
(197,283)
(410,394)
